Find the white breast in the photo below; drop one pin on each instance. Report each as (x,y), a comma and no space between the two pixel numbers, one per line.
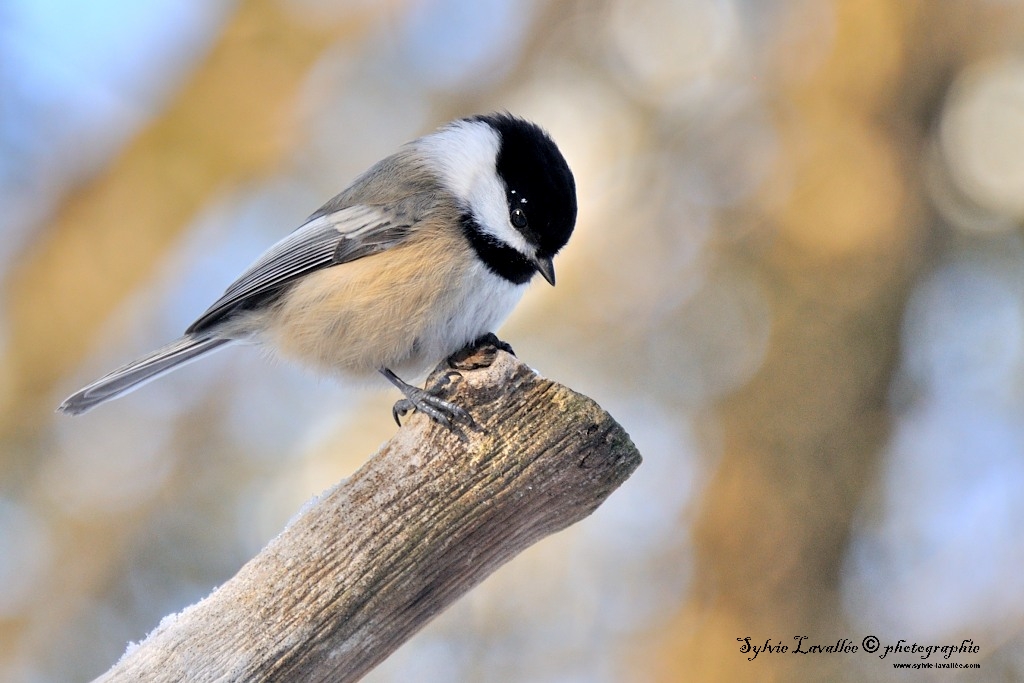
(480,306)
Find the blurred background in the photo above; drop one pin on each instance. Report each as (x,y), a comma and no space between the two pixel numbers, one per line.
(797,280)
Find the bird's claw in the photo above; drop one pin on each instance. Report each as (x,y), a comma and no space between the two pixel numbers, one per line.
(478,354)
(430,404)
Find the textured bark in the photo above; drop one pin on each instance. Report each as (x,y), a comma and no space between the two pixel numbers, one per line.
(429,516)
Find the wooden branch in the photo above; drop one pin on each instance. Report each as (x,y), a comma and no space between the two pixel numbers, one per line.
(430,515)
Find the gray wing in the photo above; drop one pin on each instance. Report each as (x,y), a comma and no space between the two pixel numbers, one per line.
(326,239)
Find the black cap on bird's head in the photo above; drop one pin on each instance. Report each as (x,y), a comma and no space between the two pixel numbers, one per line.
(539,188)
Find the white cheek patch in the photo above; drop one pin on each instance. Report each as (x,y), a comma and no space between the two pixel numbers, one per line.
(464,154)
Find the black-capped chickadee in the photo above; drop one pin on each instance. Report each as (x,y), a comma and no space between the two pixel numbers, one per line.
(427,251)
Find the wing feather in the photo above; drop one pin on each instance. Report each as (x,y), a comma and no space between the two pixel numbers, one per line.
(326,239)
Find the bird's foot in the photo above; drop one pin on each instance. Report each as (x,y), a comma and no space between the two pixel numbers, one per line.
(427,401)
(478,354)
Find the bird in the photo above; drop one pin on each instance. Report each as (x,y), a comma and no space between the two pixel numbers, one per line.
(427,251)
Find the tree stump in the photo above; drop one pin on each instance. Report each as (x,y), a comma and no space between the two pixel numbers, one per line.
(369,562)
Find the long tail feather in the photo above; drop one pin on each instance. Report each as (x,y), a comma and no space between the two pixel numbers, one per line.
(138,372)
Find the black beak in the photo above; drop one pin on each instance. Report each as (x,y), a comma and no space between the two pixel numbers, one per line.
(546,268)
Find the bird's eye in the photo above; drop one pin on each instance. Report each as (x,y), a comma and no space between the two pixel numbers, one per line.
(518,217)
